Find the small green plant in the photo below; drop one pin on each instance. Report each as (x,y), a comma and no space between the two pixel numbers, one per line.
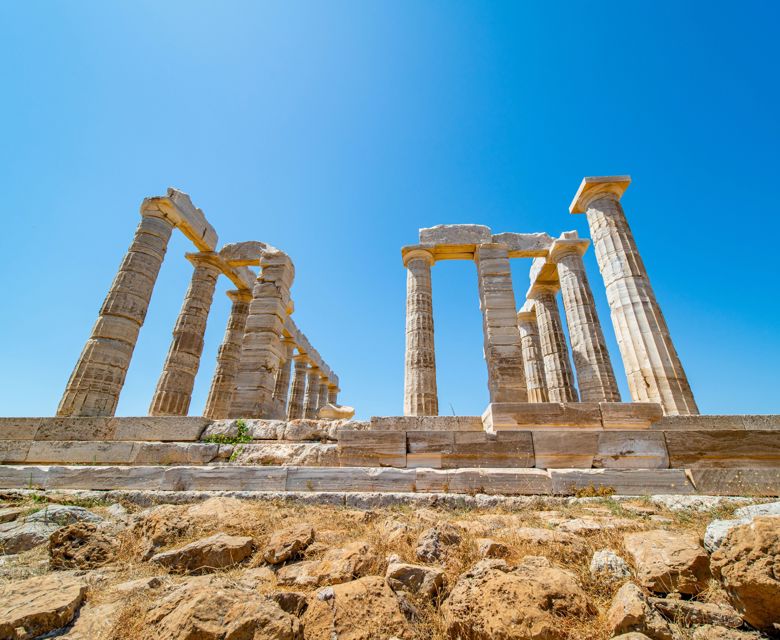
(236,451)
(242,435)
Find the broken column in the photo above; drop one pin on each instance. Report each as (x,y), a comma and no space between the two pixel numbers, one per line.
(94,386)
(595,377)
(420,393)
(312,396)
(503,351)
(532,357)
(223,382)
(653,368)
(174,388)
(262,349)
(557,370)
(282,385)
(298,390)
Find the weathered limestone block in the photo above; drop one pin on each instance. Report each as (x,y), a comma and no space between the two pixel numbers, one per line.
(349,479)
(426,423)
(654,370)
(298,390)
(174,388)
(622,481)
(488,481)
(565,449)
(420,393)
(542,415)
(557,370)
(737,482)
(458,234)
(177,207)
(595,377)
(502,345)
(96,382)
(225,478)
(223,383)
(372,448)
(19,428)
(630,415)
(262,349)
(631,450)
(524,245)
(533,360)
(749,449)
(454,449)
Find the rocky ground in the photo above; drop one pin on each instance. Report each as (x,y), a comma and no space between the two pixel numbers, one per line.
(660,568)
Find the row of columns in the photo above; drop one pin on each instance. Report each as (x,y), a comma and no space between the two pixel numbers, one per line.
(526,353)
(254,360)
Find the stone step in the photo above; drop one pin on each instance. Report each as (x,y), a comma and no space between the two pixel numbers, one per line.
(763,482)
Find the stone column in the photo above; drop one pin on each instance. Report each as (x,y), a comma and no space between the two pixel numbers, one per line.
(312,396)
(323,397)
(595,377)
(282,386)
(262,348)
(420,392)
(224,381)
(174,388)
(503,351)
(557,370)
(333,394)
(532,357)
(298,389)
(96,382)
(653,368)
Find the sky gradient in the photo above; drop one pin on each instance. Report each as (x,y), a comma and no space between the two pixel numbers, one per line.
(335,130)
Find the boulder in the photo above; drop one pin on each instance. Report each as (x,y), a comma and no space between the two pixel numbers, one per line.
(24,534)
(631,612)
(9,514)
(354,560)
(544,537)
(690,612)
(415,578)
(33,607)
(63,515)
(432,542)
(748,566)
(668,561)
(208,610)
(717,529)
(712,632)
(524,604)
(288,544)
(489,548)
(206,555)
(81,546)
(607,565)
(362,609)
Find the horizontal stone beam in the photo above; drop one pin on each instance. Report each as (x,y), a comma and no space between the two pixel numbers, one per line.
(459,242)
(525,245)
(177,207)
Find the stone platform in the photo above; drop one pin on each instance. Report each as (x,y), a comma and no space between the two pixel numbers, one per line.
(559,453)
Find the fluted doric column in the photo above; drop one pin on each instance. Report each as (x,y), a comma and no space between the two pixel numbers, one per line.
(420,392)
(595,377)
(262,349)
(653,368)
(282,386)
(322,400)
(312,396)
(223,383)
(97,380)
(333,394)
(532,357)
(298,389)
(174,388)
(557,370)
(503,351)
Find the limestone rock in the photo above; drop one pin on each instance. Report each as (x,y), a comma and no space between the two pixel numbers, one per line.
(607,565)
(63,515)
(288,544)
(36,606)
(9,514)
(456,234)
(631,635)
(336,412)
(713,632)
(19,536)
(717,530)
(588,523)
(207,610)
(94,621)
(290,601)
(415,578)
(542,537)
(524,603)
(118,512)
(432,542)
(336,566)
(81,546)
(690,612)
(753,510)
(748,566)
(631,612)
(489,548)
(668,561)
(202,556)
(362,609)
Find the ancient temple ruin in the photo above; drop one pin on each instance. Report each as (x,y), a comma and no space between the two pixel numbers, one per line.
(554,422)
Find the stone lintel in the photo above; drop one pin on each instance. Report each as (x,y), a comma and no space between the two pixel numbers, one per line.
(456,234)
(596,186)
(441,251)
(543,272)
(177,207)
(524,245)
(243,254)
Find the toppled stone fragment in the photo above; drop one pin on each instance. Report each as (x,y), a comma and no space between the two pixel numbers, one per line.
(489,548)
(432,542)
(288,543)
(336,566)
(415,578)
(690,612)
(202,556)
(631,612)
(607,565)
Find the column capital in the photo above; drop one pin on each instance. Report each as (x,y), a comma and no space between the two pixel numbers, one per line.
(206,259)
(239,295)
(526,316)
(333,387)
(568,243)
(301,359)
(415,253)
(538,289)
(594,187)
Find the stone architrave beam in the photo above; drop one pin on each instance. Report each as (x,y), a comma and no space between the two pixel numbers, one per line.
(460,241)
(177,207)
(653,368)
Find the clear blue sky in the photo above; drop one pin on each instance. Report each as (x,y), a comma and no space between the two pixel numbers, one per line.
(334,130)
